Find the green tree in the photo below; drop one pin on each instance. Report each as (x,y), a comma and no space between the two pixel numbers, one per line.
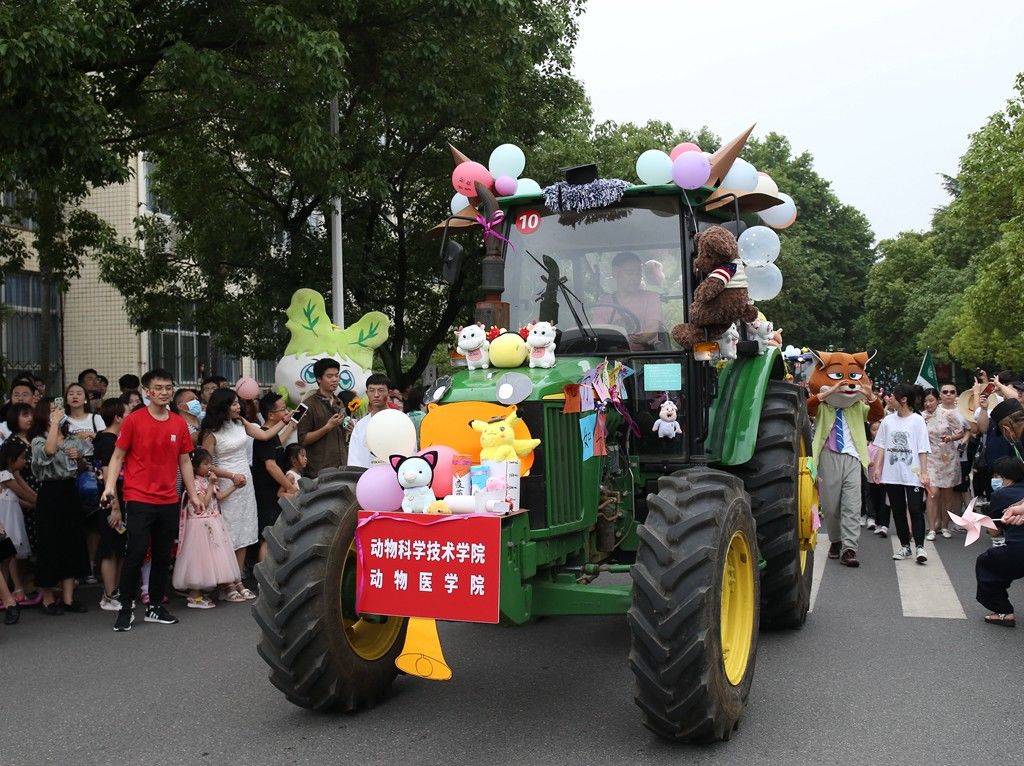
(958,286)
(84,85)
(248,197)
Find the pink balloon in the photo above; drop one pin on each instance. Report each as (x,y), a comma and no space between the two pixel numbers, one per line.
(505,186)
(680,148)
(247,388)
(468,173)
(691,170)
(442,483)
(378,489)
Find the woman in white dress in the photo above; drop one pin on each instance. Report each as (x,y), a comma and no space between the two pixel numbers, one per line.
(226,436)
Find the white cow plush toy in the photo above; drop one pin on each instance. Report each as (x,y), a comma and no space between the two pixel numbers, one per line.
(541,342)
(415,475)
(473,345)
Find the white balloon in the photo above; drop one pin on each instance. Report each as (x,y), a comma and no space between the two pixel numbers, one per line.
(507,160)
(459,203)
(528,186)
(742,176)
(759,245)
(765,184)
(763,282)
(390,432)
(780,216)
(654,167)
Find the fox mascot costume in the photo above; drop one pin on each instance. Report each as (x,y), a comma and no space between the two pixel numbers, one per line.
(842,404)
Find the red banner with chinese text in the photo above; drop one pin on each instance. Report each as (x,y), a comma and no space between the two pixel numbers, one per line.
(425,565)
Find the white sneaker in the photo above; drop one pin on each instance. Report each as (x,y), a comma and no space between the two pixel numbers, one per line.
(902,553)
(930,536)
(864,521)
(110,604)
(871,524)
(921,555)
(946,533)
(882,531)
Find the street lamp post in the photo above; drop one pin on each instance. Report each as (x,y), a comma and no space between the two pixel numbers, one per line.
(337,272)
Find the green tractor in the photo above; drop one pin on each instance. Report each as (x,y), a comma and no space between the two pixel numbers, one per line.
(710,532)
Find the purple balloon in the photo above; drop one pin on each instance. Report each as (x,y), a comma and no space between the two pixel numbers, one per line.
(378,489)
(691,170)
(505,186)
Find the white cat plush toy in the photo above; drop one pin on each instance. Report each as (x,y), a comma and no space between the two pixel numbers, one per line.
(415,474)
(727,343)
(473,344)
(541,342)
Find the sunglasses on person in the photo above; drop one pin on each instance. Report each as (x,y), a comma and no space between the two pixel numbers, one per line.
(950,391)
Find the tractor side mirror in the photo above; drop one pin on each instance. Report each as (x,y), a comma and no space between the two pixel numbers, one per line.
(451,262)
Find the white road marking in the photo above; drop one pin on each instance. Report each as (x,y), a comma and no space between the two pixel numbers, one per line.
(926,591)
(820,559)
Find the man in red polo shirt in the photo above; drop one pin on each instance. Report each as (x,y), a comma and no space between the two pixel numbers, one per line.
(153,445)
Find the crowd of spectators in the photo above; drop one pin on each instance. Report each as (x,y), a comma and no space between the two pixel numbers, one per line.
(159,489)
(953,450)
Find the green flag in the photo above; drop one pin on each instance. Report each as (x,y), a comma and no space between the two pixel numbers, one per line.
(927,377)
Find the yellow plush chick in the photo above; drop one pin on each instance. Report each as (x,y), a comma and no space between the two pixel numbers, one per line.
(498,440)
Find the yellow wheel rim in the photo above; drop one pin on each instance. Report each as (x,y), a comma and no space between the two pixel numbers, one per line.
(807,499)
(737,617)
(371,640)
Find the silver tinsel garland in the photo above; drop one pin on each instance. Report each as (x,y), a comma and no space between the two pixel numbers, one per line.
(564,197)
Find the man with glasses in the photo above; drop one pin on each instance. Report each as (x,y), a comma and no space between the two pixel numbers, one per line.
(154,445)
(267,476)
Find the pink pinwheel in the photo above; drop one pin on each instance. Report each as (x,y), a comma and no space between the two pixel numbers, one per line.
(973,522)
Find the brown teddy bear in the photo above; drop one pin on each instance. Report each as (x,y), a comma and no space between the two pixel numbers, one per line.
(721,298)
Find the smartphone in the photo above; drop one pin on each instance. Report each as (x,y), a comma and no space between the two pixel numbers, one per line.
(58,402)
(299,411)
(988,389)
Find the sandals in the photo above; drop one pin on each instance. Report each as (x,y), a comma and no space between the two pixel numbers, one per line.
(247,594)
(233,596)
(1001,619)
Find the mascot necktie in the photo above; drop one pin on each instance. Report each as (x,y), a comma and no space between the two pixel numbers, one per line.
(840,427)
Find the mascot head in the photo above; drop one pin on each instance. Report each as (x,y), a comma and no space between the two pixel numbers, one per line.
(845,374)
(314,336)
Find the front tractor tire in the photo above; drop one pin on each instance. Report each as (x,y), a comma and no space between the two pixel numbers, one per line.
(321,654)
(781,500)
(695,611)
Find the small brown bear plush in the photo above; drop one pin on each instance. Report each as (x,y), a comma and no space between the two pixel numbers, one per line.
(721,298)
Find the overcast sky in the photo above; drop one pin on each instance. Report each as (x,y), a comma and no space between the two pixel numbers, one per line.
(883,94)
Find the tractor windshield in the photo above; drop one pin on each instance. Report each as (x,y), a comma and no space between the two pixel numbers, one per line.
(618,267)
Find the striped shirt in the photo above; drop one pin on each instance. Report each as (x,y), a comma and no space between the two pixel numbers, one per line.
(733,274)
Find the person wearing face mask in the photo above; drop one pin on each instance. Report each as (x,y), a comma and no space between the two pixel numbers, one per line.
(999,566)
(187,404)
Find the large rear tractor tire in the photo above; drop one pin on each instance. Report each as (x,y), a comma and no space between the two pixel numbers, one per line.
(781,498)
(694,617)
(321,654)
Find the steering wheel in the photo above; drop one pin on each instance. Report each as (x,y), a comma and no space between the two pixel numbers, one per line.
(632,322)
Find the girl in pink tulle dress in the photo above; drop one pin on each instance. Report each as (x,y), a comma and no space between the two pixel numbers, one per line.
(206,557)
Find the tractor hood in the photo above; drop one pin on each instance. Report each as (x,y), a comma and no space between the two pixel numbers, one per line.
(481,385)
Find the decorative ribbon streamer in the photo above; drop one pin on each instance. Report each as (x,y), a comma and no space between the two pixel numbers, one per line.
(490,227)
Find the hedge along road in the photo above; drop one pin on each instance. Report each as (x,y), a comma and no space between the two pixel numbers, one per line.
(860,681)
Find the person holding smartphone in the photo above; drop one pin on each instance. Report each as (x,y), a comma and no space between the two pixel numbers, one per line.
(267,476)
(994,445)
(320,430)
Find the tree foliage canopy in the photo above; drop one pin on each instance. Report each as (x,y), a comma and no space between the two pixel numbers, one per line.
(958,288)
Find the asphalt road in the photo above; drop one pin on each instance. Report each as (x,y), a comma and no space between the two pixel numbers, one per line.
(860,683)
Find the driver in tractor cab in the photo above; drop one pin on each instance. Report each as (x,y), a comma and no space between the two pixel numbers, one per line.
(640,313)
